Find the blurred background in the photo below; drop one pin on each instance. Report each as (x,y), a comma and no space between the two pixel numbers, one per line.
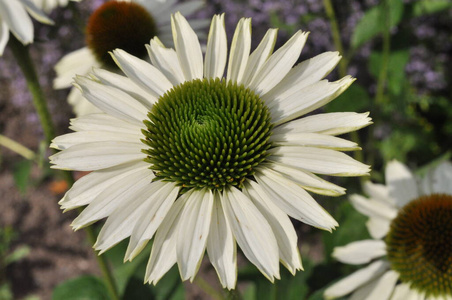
(400,53)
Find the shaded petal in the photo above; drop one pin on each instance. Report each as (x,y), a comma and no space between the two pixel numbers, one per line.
(313,140)
(380,289)
(36,12)
(240,50)
(378,192)
(442,178)
(217,49)
(403,292)
(81,106)
(360,252)
(165,59)
(401,183)
(76,138)
(78,62)
(252,232)
(294,200)
(4,35)
(373,208)
(14,15)
(378,227)
(221,246)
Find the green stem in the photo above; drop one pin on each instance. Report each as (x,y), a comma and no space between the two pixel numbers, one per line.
(208,289)
(16,147)
(382,76)
(22,56)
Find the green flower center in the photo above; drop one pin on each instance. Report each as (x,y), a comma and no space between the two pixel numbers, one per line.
(124,25)
(207,133)
(419,244)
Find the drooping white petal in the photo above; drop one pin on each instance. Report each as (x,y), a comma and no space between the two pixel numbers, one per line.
(165,59)
(305,73)
(442,178)
(14,15)
(142,73)
(240,50)
(294,200)
(378,192)
(187,47)
(259,56)
(81,106)
(403,292)
(96,155)
(112,197)
(76,138)
(221,246)
(356,279)
(126,85)
(279,64)
(401,183)
(307,180)
(148,223)
(313,140)
(78,62)
(193,231)
(378,227)
(217,45)
(329,123)
(379,289)
(163,253)
(252,232)
(104,122)
(36,12)
(280,223)
(4,35)
(112,101)
(360,252)
(317,160)
(373,208)
(89,186)
(307,99)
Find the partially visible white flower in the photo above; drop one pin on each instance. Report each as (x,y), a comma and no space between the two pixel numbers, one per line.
(81,61)
(14,17)
(410,255)
(48,5)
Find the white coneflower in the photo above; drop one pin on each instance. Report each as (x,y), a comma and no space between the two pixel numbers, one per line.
(410,222)
(123,24)
(200,161)
(14,17)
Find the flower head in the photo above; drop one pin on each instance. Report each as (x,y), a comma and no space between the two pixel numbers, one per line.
(14,17)
(123,24)
(410,222)
(200,161)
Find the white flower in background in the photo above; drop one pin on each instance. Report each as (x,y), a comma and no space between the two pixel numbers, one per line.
(48,5)
(217,160)
(123,24)
(410,254)
(14,17)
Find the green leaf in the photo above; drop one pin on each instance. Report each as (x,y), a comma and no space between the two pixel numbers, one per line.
(426,7)
(81,288)
(372,22)
(22,175)
(5,292)
(355,98)
(17,255)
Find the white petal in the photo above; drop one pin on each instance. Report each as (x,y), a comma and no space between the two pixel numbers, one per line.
(165,59)
(356,279)
(329,123)
(104,122)
(221,246)
(163,254)
(403,292)
(259,56)
(4,35)
(307,99)
(111,198)
(193,231)
(294,200)
(95,156)
(378,227)
(442,178)
(189,7)
(307,180)
(78,62)
(187,47)
(35,12)
(313,140)
(360,252)
(401,182)
(126,85)
(217,49)
(89,186)
(76,138)
(317,160)
(112,101)
(373,208)
(14,15)
(142,73)
(252,232)
(279,64)
(380,289)
(280,223)
(81,106)
(240,50)
(378,192)
(305,73)
(148,223)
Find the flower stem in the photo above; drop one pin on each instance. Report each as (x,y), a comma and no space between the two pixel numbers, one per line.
(16,147)
(382,76)
(22,56)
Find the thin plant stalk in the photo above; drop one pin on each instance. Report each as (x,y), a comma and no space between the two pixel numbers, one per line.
(22,56)
(16,147)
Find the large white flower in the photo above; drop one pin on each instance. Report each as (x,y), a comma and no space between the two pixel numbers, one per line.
(217,160)
(410,255)
(123,24)
(14,17)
